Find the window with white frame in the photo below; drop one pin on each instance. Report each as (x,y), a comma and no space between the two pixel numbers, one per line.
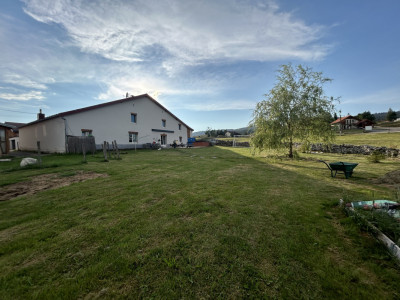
(164,123)
(179,126)
(133,137)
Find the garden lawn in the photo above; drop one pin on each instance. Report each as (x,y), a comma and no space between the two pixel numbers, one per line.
(193,223)
(391,139)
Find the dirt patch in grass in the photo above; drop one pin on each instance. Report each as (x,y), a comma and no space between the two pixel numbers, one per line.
(45,182)
(391,178)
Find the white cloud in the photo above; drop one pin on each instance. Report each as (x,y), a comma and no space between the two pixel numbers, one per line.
(221,105)
(182,33)
(388,96)
(36,95)
(25,82)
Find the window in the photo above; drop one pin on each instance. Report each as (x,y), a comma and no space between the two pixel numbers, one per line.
(133,137)
(164,123)
(180,139)
(87,132)
(133,118)
(179,126)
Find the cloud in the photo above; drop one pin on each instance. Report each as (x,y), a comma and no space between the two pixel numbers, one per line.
(389,96)
(221,105)
(36,95)
(183,33)
(25,82)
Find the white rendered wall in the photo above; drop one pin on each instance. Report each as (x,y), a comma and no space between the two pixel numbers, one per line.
(113,122)
(50,133)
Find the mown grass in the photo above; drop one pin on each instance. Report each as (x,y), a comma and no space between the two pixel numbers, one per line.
(390,139)
(357,137)
(194,223)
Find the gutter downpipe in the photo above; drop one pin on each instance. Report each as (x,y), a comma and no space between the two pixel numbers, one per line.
(65,133)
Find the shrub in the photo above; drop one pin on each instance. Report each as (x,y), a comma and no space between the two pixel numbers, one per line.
(376,156)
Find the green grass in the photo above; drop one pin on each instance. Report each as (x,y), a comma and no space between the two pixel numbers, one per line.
(391,140)
(357,137)
(194,223)
(389,124)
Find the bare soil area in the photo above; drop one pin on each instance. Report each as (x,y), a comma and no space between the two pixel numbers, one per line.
(45,182)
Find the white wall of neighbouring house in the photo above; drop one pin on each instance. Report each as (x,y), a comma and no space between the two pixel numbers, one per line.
(113,122)
(50,133)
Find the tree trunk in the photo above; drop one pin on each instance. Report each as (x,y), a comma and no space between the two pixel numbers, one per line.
(290,148)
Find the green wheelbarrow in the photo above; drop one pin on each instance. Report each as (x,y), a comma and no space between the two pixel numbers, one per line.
(340,166)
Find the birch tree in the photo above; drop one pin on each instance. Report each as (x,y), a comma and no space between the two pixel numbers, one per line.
(296,109)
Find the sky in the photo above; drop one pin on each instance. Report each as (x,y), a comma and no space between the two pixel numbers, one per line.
(209,62)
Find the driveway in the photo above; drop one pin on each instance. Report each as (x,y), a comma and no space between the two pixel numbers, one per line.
(385,129)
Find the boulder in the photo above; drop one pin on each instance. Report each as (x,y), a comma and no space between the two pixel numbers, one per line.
(28,161)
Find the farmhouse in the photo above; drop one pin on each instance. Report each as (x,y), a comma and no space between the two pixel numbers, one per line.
(9,137)
(132,122)
(347,122)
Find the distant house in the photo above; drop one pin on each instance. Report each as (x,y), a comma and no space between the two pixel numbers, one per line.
(132,122)
(347,122)
(364,123)
(8,137)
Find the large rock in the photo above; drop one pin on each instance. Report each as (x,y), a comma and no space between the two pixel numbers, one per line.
(28,161)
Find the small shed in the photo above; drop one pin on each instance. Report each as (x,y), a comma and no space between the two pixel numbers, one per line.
(364,123)
(7,132)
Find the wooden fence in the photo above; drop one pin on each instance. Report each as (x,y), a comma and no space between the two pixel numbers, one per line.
(80,144)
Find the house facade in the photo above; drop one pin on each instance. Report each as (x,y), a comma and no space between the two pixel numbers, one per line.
(347,122)
(132,122)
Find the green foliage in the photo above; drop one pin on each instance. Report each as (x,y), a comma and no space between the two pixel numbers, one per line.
(376,156)
(295,109)
(391,115)
(366,115)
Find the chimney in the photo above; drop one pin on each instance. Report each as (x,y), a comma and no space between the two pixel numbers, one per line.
(40,116)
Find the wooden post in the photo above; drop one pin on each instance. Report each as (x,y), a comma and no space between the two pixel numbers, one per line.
(84,151)
(113,149)
(116,149)
(39,158)
(108,150)
(105,151)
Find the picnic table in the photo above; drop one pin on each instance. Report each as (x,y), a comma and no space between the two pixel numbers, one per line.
(340,166)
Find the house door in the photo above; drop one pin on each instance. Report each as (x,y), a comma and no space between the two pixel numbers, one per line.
(163,139)
(3,141)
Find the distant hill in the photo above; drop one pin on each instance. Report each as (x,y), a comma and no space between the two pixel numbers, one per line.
(198,133)
(382,116)
(242,131)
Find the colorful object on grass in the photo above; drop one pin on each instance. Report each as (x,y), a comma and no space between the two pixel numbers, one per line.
(391,207)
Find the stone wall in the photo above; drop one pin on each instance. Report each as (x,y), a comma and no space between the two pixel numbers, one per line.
(353,149)
(344,148)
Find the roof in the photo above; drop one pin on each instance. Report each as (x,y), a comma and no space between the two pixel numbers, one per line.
(340,120)
(15,124)
(7,125)
(75,111)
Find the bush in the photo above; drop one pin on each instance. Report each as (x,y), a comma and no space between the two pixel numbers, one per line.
(376,156)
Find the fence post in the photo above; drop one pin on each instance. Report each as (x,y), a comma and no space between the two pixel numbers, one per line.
(116,149)
(108,151)
(105,151)
(84,152)
(39,158)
